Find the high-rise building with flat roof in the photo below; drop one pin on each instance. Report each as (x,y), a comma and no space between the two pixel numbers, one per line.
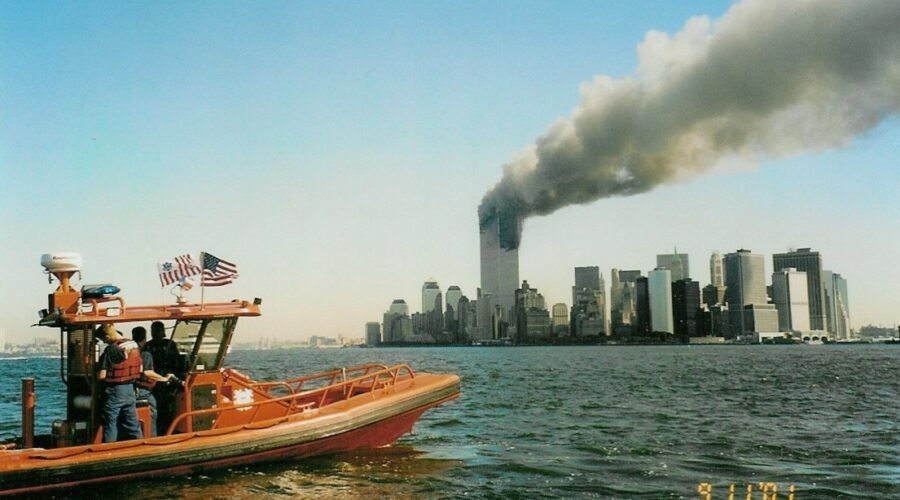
(560,319)
(643,324)
(499,264)
(745,294)
(804,259)
(659,289)
(789,291)
(675,262)
(686,313)
(373,333)
(586,277)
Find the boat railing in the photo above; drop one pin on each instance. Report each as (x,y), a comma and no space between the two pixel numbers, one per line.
(298,384)
(368,382)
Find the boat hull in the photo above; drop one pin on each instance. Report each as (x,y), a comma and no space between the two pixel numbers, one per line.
(369,422)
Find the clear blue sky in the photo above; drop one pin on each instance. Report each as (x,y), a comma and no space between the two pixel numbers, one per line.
(337,153)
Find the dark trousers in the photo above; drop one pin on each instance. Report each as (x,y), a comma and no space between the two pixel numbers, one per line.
(165,404)
(118,413)
(151,402)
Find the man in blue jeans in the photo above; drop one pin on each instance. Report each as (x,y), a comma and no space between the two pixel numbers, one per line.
(148,379)
(120,366)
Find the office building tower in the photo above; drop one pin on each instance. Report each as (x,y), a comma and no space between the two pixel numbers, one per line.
(397,324)
(465,320)
(560,320)
(804,259)
(532,317)
(373,333)
(676,262)
(643,325)
(623,309)
(500,261)
(789,292)
(686,313)
(837,311)
(586,278)
(432,308)
(716,270)
(588,315)
(659,289)
(745,294)
(713,295)
(399,306)
(453,296)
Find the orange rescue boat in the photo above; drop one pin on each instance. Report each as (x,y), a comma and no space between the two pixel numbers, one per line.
(222,417)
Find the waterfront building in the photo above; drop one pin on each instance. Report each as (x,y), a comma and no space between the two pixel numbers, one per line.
(586,277)
(716,270)
(837,310)
(432,307)
(642,307)
(560,320)
(745,294)
(484,317)
(532,317)
(373,333)
(500,261)
(686,313)
(804,259)
(588,314)
(713,295)
(623,300)
(396,323)
(453,295)
(789,292)
(675,262)
(659,289)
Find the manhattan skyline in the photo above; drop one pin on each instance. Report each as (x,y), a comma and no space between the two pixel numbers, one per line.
(338,155)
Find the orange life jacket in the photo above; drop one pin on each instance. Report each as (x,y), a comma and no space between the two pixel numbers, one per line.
(127,370)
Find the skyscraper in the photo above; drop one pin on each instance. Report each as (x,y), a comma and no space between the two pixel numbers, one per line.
(790,293)
(560,319)
(453,296)
(532,317)
(432,307)
(675,262)
(373,333)
(837,312)
(623,308)
(397,325)
(659,289)
(643,325)
(745,294)
(586,277)
(499,262)
(716,270)
(804,259)
(686,307)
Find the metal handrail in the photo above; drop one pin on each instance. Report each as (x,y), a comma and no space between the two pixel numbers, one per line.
(295,385)
(393,373)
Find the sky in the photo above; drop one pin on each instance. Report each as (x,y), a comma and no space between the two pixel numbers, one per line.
(337,153)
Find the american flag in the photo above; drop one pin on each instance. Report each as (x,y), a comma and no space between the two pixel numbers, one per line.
(217,272)
(178,268)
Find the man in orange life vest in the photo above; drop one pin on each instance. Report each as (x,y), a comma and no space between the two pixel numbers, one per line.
(120,366)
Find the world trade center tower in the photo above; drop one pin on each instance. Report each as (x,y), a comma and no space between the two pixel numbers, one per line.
(500,260)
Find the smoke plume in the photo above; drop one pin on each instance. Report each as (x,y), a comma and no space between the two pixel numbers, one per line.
(768,79)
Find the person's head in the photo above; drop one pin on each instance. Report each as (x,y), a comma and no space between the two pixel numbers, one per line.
(108,333)
(139,334)
(157,330)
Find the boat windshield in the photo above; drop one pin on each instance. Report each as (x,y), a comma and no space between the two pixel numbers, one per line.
(204,342)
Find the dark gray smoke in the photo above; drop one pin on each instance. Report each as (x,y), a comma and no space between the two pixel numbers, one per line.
(770,78)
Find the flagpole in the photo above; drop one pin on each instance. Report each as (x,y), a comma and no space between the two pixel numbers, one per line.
(202,286)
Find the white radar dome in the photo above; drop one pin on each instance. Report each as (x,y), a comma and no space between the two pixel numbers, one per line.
(61,261)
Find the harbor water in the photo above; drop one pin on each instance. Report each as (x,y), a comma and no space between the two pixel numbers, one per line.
(596,422)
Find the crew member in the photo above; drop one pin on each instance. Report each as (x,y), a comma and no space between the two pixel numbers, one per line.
(166,361)
(148,379)
(120,366)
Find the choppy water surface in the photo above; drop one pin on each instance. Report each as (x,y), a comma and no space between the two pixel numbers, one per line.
(604,422)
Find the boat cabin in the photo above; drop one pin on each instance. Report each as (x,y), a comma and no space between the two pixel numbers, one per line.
(201,332)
